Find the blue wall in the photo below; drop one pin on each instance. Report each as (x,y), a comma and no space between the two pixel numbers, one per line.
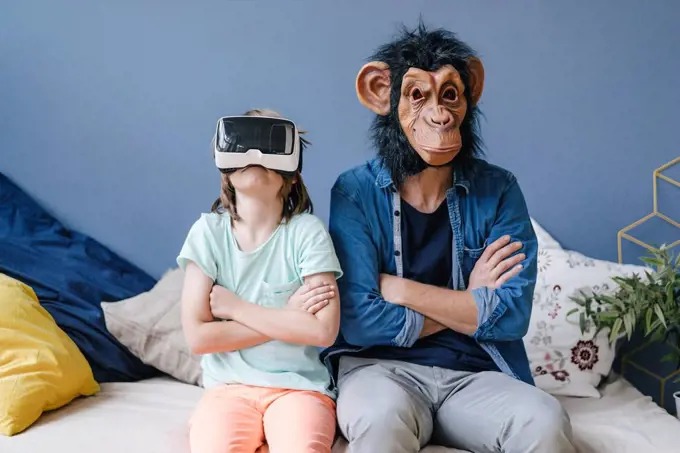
(106,112)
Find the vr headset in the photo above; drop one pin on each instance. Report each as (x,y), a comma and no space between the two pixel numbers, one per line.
(273,143)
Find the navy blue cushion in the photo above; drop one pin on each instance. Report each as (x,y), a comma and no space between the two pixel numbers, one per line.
(71,274)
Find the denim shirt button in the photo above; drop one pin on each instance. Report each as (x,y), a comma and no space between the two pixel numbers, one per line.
(397,213)
(397,253)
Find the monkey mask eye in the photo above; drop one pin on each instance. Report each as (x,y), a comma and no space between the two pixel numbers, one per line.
(450,94)
(416,94)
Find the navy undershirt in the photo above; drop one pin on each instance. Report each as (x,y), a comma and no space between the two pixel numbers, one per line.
(427,258)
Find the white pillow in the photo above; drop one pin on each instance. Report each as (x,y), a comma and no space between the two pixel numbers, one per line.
(564,362)
(544,239)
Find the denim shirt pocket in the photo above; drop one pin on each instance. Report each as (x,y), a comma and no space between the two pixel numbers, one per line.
(470,257)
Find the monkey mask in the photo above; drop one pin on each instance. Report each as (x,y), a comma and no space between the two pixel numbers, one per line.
(424,88)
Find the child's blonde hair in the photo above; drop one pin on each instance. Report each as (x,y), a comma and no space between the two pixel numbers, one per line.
(295,197)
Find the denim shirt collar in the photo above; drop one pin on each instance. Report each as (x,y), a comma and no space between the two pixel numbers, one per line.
(384,180)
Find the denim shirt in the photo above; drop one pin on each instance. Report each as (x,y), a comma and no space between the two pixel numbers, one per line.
(484,204)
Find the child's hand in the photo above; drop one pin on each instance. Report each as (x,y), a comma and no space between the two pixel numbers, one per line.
(311,298)
(222,302)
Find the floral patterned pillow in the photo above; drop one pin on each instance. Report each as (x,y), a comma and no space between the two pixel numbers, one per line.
(563,361)
(545,240)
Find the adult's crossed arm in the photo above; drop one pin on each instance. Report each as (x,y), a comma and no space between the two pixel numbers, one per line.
(497,304)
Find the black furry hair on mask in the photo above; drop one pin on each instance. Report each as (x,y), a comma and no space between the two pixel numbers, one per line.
(429,51)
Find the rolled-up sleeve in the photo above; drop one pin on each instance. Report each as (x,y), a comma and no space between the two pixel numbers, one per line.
(504,312)
(366,318)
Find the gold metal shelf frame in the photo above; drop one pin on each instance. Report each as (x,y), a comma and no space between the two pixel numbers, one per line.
(623,233)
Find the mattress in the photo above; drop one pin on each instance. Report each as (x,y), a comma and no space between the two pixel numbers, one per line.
(150,417)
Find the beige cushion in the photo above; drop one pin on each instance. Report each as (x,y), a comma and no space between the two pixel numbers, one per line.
(150,326)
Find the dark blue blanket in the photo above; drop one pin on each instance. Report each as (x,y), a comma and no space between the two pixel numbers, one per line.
(71,274)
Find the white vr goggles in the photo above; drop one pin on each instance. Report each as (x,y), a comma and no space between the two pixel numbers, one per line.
(273,143)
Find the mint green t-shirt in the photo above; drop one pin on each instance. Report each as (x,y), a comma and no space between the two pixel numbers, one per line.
(266,276)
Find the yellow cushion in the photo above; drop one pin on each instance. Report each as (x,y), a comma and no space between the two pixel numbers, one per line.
(41,368)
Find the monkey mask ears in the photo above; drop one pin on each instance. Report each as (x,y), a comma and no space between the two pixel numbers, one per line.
(373,87)
(373,84)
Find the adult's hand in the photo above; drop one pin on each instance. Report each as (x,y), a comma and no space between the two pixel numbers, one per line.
(497,265)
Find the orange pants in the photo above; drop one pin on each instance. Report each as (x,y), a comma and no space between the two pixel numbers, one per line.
(241,419)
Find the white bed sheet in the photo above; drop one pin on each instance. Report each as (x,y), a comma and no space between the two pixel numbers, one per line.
(150,417)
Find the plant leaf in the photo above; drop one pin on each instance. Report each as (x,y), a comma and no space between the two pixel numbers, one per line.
(657,333)
(660,315)
(607,315)
(614,301)
(653,261)
(628,322)
(582,322)
(571,312)
(648,321)
(615,330)
(670,357)
(670,296)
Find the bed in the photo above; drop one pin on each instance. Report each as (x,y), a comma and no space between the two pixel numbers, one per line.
(150,417)
(127,327)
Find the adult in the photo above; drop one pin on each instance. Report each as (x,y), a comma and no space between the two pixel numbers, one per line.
(439,256)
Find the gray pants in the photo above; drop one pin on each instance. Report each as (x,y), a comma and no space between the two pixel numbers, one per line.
(396,407)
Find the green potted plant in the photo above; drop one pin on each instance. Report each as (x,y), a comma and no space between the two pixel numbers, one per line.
(651,301)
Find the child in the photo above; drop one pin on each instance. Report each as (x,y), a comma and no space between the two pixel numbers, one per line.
(259,298)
